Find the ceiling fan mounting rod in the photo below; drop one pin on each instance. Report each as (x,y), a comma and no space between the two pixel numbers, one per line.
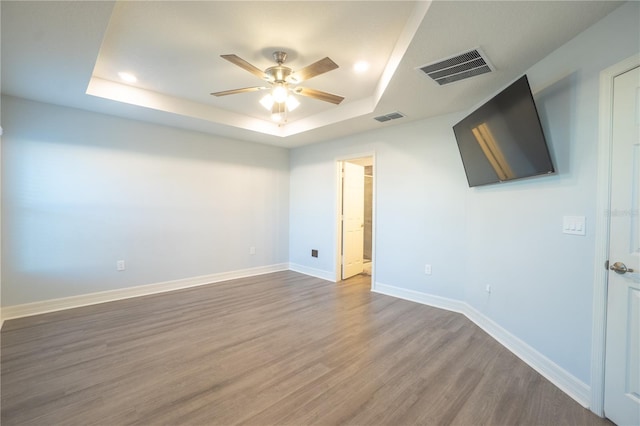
(280,56)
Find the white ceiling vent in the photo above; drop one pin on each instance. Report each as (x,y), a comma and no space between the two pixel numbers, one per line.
(388,117)
(458,67)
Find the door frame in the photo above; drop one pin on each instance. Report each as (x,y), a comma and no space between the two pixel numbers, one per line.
(603,197)
(338,162)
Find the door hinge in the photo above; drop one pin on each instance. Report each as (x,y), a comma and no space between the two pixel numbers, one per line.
(606,264)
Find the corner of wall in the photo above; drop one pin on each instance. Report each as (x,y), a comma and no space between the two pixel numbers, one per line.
(318,273)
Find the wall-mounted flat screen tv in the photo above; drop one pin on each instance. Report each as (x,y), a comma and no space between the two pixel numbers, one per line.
(503,139)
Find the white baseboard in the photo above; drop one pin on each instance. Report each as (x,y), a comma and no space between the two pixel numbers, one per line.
(424,298)
(318,273)
(561,378)
(35,308)
(565,381)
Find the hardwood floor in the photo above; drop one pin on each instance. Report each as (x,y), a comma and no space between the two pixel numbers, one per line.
(281,348)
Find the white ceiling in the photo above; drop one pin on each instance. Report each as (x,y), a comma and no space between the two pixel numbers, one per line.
(70,53)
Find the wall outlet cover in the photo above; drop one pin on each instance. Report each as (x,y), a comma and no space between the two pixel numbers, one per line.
(574,225)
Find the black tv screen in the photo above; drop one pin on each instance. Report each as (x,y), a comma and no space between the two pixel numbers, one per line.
(503,139)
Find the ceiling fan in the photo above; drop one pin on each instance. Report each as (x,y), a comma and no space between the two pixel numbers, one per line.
(283,83)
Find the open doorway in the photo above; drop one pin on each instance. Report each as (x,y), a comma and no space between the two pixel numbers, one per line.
(355,217)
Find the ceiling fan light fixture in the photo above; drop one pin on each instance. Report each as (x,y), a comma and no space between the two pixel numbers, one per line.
(280,93)
(278,112)
(267,102)
(292,103)
(282,79)
(277,108)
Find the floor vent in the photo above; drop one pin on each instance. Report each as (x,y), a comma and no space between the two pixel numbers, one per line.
(388,117)
(458,67)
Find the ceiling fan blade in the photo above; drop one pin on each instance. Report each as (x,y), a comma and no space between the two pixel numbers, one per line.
(243,90)
(317,94)
(317,68)
(236,60)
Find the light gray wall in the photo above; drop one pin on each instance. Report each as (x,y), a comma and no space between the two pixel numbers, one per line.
(83,190)
(508,236)
(542,280)
(415,169)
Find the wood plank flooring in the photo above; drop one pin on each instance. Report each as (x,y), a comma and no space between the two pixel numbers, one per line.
(277,349)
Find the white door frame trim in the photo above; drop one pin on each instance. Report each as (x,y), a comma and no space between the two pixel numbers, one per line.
(603,196)
(338,162)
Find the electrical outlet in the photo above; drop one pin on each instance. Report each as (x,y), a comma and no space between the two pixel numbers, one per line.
(252,250)
(427,269)
(120,265)
(488,288)
(314,253)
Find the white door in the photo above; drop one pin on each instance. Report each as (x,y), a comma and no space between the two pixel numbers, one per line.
(622,363)
(352,219)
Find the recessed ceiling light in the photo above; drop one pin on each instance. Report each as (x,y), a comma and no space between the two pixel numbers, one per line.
(127,77)
(361,66)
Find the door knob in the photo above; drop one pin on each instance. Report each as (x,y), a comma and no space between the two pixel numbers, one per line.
(620,268)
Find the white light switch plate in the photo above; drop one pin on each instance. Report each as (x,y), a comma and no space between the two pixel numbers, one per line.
(574,225)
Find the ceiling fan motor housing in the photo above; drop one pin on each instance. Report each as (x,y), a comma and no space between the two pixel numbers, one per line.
(278,73)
